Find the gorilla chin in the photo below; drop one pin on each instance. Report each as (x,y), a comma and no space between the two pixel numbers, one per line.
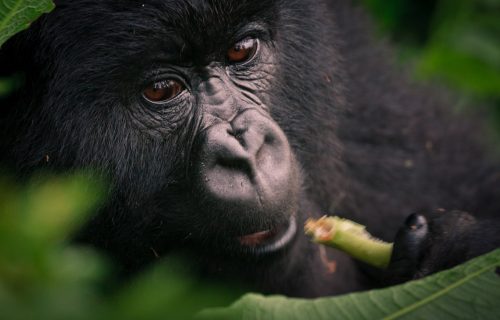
(248,183)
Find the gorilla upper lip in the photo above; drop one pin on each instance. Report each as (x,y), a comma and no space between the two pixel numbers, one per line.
(271,240)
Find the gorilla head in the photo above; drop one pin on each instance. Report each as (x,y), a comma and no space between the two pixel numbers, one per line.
(203,115)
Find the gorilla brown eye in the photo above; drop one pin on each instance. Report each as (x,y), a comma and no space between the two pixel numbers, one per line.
(162,91)
(243,51)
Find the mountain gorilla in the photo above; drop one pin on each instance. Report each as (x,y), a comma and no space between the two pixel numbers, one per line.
(222,125)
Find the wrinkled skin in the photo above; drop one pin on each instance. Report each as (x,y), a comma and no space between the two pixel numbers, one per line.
(222,158)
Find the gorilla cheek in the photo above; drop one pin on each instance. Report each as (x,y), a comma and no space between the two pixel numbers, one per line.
(247,166)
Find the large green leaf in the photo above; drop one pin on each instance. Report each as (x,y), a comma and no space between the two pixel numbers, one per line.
(469,291)
(17,15)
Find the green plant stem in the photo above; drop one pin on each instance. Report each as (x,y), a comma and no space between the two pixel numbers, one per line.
(351,238)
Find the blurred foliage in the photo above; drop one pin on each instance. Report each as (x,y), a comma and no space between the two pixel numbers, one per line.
(39,275)
(465,47)
(10,84)
(43,276)
(406,21)
(456,42)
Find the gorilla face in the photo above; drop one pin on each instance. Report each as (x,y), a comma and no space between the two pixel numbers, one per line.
(180,105)
(241,164)
(241,174)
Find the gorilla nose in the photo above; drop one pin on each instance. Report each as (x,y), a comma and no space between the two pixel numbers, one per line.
(230,162)
(245,162)
(252,138)
(234,152)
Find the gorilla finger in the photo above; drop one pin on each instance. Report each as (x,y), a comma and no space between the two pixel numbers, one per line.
(408,247)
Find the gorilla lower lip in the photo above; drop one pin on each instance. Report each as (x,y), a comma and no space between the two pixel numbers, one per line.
(268,241)
(257,238)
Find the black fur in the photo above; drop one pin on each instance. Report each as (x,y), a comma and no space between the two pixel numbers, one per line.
(371,145)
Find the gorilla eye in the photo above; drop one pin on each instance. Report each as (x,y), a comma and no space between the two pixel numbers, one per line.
(243,50)
(163,91)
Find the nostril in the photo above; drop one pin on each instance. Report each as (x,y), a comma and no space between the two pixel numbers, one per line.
(269,139)
(236,164)
(236,131)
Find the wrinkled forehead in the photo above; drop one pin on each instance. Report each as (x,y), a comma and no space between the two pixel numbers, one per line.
(192,21)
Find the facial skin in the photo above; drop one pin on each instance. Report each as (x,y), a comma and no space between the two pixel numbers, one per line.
(241,166)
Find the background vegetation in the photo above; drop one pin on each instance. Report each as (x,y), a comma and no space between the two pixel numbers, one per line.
(453,42)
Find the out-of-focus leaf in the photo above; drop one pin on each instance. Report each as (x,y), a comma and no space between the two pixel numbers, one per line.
(36,220)
(464,50)
(9,84)
(469,291)
(16,15)
(171,293)
(49,209)
(54,207)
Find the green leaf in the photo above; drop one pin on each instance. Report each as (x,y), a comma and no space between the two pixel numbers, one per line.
(17,15)
(469,291)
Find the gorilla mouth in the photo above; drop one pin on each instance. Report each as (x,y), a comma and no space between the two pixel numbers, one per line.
(270,241)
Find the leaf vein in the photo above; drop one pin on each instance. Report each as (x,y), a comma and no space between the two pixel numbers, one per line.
(439,293)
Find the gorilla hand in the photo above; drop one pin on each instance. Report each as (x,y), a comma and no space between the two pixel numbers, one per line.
(432,241)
